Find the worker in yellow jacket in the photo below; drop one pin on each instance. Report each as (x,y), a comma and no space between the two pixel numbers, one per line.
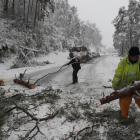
(128,69)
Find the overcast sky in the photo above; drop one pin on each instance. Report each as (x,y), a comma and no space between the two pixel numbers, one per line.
(102,13)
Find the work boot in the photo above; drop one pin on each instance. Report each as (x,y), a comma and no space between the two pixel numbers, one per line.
(76,80)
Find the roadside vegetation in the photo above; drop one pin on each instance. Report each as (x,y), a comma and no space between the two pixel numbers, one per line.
(126,25)
(31,28)
(19,114)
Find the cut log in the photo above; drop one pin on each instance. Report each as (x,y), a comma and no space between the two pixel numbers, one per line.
(20,81)
(1,82)
(32,86)
(127,91)
(15,80)
(27,84)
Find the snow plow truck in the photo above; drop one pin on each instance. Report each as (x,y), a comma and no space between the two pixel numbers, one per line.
(82,52)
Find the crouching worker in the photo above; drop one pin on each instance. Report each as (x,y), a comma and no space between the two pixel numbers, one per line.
(128,70)
(75,62)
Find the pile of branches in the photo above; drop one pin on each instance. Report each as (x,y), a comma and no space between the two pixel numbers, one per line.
(20,109)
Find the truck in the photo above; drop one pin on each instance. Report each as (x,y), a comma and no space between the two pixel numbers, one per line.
(82,52)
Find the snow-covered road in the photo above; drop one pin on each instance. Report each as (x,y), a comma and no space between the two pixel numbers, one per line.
(88,74)
(93,75)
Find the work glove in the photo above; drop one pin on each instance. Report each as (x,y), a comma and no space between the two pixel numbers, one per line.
(115,88)
(63,65)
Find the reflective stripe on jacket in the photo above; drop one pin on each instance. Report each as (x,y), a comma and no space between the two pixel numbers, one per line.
(125,73)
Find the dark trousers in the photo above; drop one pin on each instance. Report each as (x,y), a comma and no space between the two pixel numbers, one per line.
(75,78)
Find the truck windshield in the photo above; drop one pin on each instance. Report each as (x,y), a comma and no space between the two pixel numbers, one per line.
(74,49)
(78,49)
(83,49)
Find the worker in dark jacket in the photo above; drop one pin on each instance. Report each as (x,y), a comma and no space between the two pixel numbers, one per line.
(76,66)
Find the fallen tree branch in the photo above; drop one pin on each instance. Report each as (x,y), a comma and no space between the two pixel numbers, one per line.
(24,72)
(46,75)
(39,130)
(107,87)
(31,130)
(81,131)
(32,49)
(51,73)
(30,115)
(22,75)
(10,110)
(33,135)
(33,118)
(127,91)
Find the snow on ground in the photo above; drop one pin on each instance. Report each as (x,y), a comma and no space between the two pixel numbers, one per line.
(86,90)
(106,68)
(55,59)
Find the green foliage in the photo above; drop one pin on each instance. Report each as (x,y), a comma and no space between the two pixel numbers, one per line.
(109,119)
(61,112)
(89,114)
(4,104)
(48,95)
(84,105)
(90,134)
(74,115)
(108,114)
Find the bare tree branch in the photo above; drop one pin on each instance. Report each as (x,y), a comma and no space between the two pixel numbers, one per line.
(29,114)
(10,110)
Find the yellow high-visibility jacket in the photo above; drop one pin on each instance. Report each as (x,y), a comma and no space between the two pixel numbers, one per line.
(125,73)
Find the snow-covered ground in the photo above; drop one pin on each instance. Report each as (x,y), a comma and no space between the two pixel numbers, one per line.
(93,75)
(56,59)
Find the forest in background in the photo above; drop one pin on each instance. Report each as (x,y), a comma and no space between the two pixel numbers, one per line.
(127,28)
(29,28)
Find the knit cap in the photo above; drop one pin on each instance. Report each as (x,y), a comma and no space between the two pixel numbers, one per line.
(134,51)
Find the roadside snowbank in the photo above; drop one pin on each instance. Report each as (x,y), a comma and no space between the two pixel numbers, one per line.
(55,59)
